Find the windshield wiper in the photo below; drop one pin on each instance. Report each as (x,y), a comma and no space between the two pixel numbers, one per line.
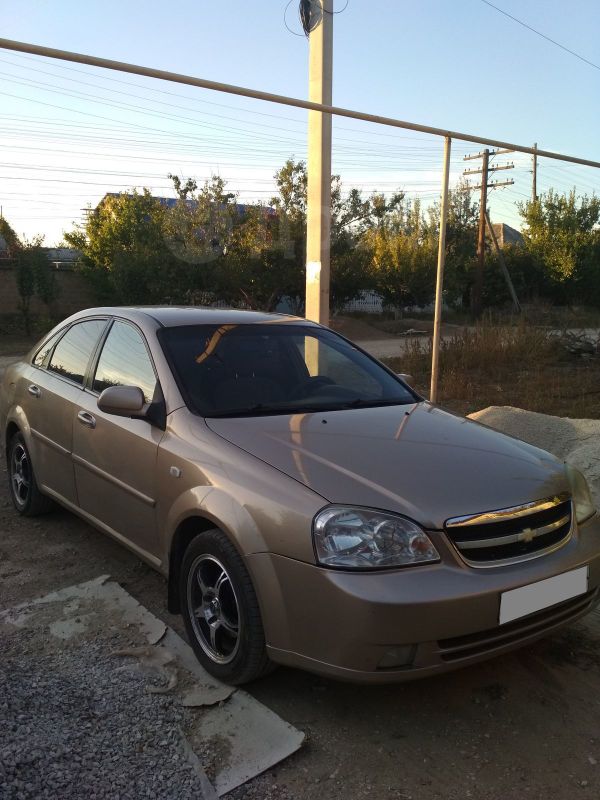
(260,409)
(360,403)
(264,409)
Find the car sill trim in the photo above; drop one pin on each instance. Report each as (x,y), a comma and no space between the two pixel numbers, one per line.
(154,561)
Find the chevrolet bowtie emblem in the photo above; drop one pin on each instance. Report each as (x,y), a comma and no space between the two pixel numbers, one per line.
(526,535)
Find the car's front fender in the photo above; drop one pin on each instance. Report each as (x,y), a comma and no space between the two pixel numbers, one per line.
(219,508)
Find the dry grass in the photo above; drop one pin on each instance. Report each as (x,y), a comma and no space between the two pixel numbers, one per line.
(518,366)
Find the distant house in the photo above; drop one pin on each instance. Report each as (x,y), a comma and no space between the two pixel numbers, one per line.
(59,257)
(62,257)
(507,235)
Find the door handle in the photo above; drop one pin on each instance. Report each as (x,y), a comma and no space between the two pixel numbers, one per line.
(34,390)
(86,419)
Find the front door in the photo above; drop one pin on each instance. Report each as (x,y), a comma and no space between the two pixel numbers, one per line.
(115,457)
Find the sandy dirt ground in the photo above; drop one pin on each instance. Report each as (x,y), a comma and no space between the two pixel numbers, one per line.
(525,725)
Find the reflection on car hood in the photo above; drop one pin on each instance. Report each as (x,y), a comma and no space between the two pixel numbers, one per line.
(417,460)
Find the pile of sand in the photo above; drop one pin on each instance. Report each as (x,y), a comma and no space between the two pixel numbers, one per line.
(576,441)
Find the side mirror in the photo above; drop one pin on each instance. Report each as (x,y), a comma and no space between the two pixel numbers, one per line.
(404,376)
(123,401)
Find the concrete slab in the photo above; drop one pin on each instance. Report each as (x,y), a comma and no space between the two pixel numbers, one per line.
(234,732)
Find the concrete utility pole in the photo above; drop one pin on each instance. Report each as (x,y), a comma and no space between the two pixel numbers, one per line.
(318,211)
(477,293)
(534,187)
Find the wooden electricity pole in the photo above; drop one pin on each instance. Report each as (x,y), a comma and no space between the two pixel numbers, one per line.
(503,267)
(477,293)
(318,210)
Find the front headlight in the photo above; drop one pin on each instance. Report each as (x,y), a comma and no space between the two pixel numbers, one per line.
(582,499)
(361,538)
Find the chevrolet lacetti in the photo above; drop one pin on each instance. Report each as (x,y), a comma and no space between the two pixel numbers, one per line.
(307,507)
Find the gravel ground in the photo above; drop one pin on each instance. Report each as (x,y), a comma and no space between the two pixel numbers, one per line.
(67,715)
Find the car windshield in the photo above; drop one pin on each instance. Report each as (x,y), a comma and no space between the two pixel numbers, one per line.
(275,368)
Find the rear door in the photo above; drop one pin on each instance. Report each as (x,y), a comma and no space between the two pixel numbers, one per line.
(115,457)
(50,392)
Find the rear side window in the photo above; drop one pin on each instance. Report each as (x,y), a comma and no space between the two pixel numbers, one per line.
(42,354)
(124,361)
(72,353)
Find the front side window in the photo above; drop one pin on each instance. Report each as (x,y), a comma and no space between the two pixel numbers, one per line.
(124,361)
(72,354)
(275,368)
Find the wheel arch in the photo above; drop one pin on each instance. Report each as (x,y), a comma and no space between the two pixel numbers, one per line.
(186,531)
(11,429)
(16,422)
(200,509)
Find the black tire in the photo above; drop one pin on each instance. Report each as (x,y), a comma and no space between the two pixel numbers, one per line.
(212,570)
(24,491)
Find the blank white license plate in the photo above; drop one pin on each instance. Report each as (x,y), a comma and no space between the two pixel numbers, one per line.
(543,594)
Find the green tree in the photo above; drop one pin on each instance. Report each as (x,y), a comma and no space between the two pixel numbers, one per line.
(206,246)
(9,236)
(561,233)
(34,278)
(461,243)
(402,249)
(125,252)
(528,277)
(351,216)
(235,246)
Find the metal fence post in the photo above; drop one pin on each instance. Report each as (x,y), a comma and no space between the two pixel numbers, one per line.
(439,284)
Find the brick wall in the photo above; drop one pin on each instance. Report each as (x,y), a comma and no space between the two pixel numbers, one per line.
(73,293)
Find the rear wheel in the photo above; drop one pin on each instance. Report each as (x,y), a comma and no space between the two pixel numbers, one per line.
(220,610)
(24,491)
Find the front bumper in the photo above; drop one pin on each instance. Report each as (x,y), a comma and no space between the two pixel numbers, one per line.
(342,624)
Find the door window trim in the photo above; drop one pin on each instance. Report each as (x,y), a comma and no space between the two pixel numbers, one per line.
(46,366)
(89,382)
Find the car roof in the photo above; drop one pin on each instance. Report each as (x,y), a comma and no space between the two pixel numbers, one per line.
(174,316)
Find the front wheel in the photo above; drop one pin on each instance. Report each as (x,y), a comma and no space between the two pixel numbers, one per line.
(220,610)
(24,491)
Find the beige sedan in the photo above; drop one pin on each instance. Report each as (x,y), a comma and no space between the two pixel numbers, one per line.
(306,505)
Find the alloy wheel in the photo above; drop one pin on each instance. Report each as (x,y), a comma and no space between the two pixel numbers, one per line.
(214,609)
(20,474)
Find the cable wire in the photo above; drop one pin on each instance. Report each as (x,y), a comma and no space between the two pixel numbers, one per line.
(542,35)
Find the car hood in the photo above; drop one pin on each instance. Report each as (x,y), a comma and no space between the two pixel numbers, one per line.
(417,460)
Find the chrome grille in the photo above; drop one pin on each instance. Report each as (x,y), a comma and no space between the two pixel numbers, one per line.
(512,534)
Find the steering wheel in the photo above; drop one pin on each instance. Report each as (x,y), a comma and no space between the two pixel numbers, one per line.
(309,386)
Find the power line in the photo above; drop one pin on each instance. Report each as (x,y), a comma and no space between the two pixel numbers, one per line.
(54,88)
(420,138)
(169,116)
(542,35)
